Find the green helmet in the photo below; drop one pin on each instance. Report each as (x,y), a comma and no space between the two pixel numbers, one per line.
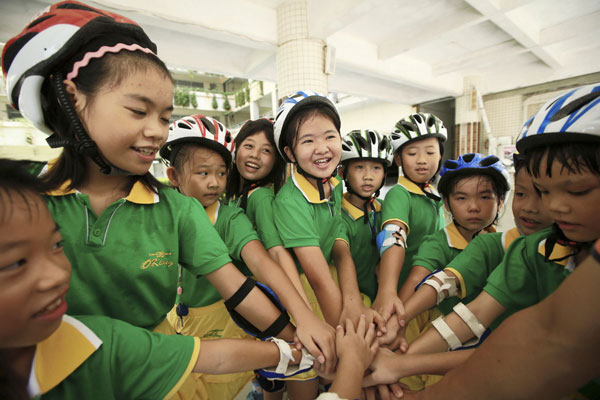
(367,144)
(417,126)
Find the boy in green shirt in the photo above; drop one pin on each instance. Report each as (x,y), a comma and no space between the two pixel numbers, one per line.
(55,356)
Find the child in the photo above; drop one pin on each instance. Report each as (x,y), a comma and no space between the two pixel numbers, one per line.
(469,270)
(561,144)
(93,357)
(412,209)
(107,98)
(307,208)
(199,153)
(365,156)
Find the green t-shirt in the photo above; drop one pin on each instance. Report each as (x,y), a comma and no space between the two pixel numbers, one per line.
(524,278)
(96,357)
(234,227)
(423,216)
(436,251)
(477,261)
(125,261)
(357,233)
(260,212)
(302,219)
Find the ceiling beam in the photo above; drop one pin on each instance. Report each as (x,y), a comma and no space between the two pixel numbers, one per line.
(328,17)
(570,28)
(517,25)
(406,41)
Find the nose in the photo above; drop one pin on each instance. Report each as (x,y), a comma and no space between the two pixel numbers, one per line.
(556,204)
(157,130)
(54,272)
(321,146)
(212,181)
(474,205)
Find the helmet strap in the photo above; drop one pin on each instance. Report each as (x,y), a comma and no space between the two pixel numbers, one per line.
(320,181)
(558,237)
(82,142)
(247,187)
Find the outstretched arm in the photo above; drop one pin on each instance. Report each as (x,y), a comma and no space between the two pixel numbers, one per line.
(557,354)
(282,256)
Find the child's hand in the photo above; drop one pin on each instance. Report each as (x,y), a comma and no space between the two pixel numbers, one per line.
(319,339)
(388,305)
(385,369)
(385,392)
(395,339)
(358,346)
(353,310)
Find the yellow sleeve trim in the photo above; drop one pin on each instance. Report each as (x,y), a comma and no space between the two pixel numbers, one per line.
(188,370)
(397,220)
(343,240)
(463,289)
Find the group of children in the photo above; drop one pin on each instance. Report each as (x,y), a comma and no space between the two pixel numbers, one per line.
(339,284)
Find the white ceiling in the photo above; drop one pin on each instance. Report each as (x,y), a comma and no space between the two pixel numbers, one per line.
(404,51)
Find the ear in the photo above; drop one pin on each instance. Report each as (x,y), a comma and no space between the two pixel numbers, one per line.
(398,159)
(173,176)
(340,170)
(288,152)
(77,98)
(447,205)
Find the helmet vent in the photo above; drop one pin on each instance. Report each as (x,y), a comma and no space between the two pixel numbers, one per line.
(430,121)
(372,137)
(468,157)
(362,142)
(574,106)
(184,126)
(450,164)
(408,126)
(490,160)
(39,20)
(418,118)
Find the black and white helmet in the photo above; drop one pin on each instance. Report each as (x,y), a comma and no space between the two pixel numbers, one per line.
(367,144)
(417,126)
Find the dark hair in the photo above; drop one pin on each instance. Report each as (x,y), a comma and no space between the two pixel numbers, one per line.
(183,152)
(574,157)
(320,108)
(499,186)
(109,70)
(17,179)
(277,174)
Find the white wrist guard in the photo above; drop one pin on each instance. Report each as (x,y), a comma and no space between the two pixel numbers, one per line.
(447,333)
(470,319)
(283,369)
(391,235)
(448,283)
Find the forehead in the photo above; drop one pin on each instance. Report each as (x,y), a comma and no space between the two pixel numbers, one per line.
(366,162)
(316,124)
(148,83)
(259,137)
(201,155)
(21,209)
(423,143)
(477,183)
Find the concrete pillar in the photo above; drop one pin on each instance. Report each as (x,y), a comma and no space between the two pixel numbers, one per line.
(469,135)
(274,102)
(300,58)
(254,112)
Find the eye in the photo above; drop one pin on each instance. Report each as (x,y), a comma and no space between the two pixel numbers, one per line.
(268,151)
(377,167)
(359,166)
(579,193)
(306,141)
(58,245)
(222,174)
(412,154)
(430,153)
(248,146)
(329,137)
(520,194)
(137,112)
(14,265)
(202,173)
(166,120)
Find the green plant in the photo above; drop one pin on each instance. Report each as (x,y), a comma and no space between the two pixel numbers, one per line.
(182,97)
(247,94)
(215,105)
(193,99)
(226,104)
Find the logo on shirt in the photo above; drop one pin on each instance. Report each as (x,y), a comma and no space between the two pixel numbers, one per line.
(157,259)
(215,333)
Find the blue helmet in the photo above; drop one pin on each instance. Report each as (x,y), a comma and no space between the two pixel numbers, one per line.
(571,116)
(474,163)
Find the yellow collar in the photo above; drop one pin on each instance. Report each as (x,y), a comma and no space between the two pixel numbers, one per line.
(455,239)
(57,356)
(413,187)
(355,212)
(139,193)
(559,251)
(213,211)
(509,236)
(310,193)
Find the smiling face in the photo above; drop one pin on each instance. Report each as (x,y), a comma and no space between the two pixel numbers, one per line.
(420,159)
(34,271)
(571,200)
(130,121)
(255,157)
(364,176)
(203,176)
(318,147)
(528,210)
(473,204)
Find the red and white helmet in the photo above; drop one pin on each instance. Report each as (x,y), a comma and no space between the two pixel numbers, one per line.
(198,129)
(50,41)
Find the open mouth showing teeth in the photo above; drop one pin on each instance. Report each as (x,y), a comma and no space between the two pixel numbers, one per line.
(146,152)
(323,162)
(51,307)
(252,165)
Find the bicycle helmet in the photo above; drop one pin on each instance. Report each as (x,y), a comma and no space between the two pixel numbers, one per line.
(58,35)
(198,129)
(418,126)
(474,163)
(572,116)
(290,107)
(367,144)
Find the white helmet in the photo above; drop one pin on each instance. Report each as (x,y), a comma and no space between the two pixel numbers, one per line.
(290,107)
(198,129)
(367,144)
(572,116)
(417,126)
